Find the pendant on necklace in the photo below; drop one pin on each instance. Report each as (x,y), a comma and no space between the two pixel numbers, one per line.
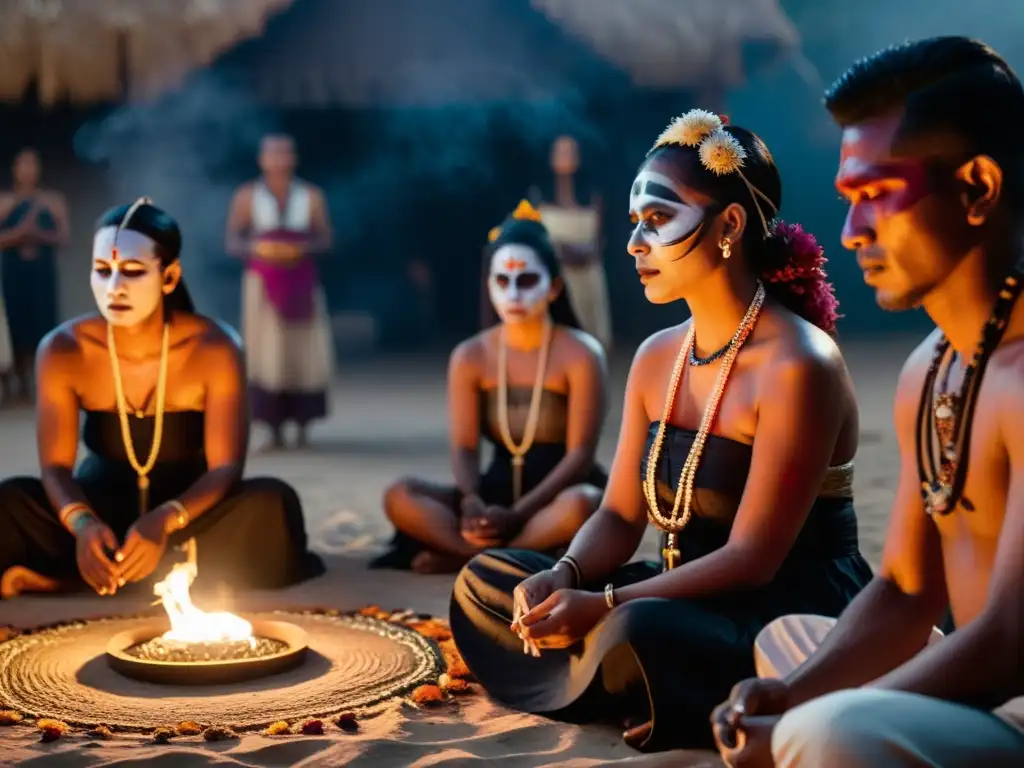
(139,414)
(670,553)
(936,498)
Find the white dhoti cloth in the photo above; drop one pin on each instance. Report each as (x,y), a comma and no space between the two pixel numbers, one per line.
(873,728)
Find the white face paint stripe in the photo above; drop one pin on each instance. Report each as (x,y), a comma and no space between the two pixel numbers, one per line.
(684,218)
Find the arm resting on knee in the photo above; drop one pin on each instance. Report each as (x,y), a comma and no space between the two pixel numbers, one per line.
(981,663)
(890,621)
(880,630)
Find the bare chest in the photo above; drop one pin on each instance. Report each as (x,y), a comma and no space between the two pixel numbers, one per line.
(701,389)
(979,515)
(522,369)
(137,382)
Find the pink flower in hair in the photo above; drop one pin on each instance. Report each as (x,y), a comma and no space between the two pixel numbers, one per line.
(806,259)
(804,274)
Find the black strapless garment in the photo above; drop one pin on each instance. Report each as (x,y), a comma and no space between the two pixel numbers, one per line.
(495,486)
(254,537)
(668,661)
(548,444)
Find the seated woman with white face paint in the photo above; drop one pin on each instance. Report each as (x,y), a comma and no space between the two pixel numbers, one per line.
(738,434)
(166,425)
(533,386)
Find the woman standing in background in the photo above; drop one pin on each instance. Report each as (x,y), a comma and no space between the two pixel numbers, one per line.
(575,230)
(33,223)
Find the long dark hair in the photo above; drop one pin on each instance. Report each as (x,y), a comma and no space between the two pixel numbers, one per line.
(787,259)
(534,235)
(160,227)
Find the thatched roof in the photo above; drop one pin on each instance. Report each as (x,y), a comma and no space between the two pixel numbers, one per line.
(82,50)
(666,43)
(427,52)
(381,52)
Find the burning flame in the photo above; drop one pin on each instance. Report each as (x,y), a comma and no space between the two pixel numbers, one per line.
(190,624)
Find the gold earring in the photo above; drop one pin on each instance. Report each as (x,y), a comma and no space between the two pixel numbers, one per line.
(726,246)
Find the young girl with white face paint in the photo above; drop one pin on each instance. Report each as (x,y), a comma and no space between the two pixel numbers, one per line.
(162,392)
(738,432)
(533,386)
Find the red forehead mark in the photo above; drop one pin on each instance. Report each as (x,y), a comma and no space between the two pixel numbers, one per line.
(513,265)
(113,253)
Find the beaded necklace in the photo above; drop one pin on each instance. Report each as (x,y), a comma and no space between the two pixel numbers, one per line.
(533,416)
(944,418)
(674,522)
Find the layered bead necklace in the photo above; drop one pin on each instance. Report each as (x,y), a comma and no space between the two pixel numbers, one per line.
(519,451)
(675,521)
(944,418)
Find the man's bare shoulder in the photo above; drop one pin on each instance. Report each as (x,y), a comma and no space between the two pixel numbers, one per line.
(908,388)
(915,368)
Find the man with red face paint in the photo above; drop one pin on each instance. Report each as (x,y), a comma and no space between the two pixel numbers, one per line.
(932,166)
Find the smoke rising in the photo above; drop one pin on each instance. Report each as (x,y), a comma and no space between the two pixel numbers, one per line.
(443,128)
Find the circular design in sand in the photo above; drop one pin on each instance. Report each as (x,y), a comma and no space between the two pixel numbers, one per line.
(352,661)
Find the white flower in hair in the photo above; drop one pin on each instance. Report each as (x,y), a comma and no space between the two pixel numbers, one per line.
(691,129)
(721,154)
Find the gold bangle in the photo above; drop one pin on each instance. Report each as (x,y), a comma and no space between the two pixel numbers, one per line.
(69,509)
(182,519)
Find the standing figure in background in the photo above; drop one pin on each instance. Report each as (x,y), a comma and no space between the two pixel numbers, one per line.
(278,224)
(33,222)
(575,230)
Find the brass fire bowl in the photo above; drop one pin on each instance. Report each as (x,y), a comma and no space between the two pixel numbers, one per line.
(206,672)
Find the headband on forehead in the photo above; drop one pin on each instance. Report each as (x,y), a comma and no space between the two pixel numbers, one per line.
(124,222)
(718,150)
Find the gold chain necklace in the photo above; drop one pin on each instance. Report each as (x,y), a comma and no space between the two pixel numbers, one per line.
(122,411)
(533,417)
(674,522)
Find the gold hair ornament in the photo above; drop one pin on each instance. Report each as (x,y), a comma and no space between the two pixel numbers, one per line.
(526,212)
(718,150)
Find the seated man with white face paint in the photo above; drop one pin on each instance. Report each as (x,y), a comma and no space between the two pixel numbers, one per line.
(166,425)
(533,386)
(738,432)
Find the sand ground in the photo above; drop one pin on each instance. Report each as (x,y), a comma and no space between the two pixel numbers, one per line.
(389,420)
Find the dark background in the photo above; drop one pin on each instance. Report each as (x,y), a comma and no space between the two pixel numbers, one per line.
(426,181)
